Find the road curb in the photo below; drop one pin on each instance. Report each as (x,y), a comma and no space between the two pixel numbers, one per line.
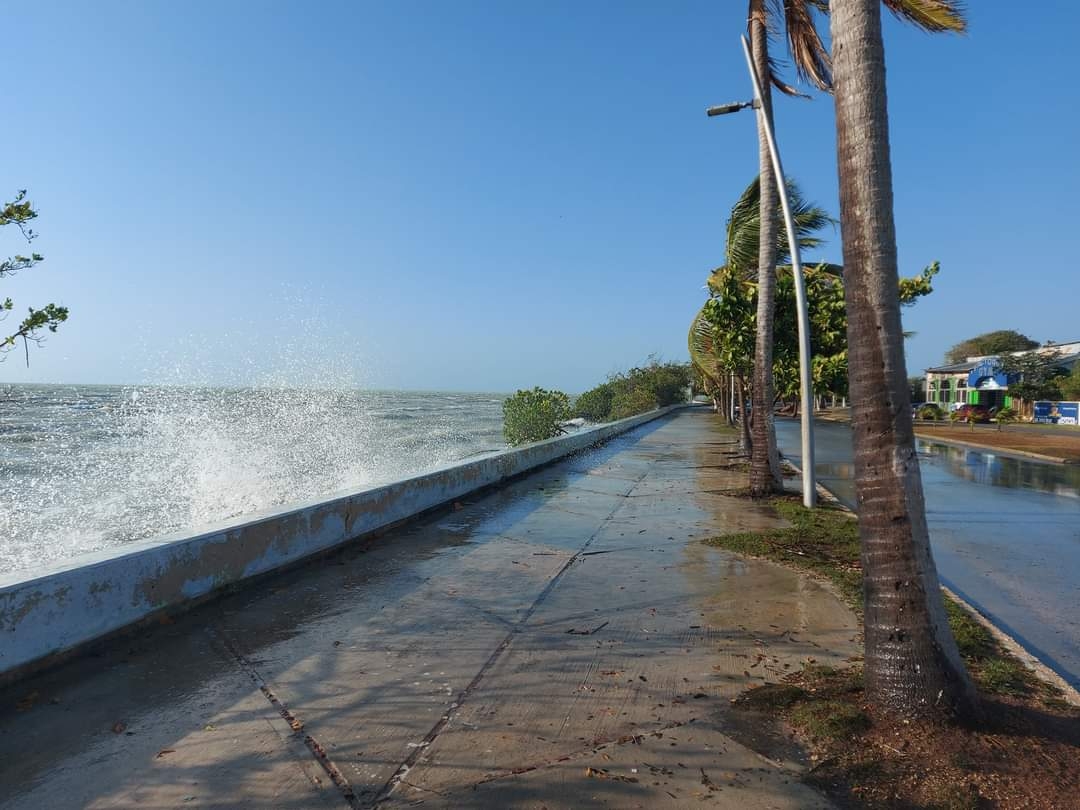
(996,450)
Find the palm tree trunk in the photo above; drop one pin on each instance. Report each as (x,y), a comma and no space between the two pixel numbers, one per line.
(764,460)
(745,439)
(912,665)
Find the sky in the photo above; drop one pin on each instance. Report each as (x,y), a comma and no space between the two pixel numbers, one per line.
(485,195)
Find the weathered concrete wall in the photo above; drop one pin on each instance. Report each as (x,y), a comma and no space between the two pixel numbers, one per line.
(48,612)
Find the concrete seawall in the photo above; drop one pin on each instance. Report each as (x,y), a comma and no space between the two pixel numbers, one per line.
(47,613)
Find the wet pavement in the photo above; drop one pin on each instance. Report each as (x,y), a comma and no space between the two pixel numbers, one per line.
(565,641)
(1005,533)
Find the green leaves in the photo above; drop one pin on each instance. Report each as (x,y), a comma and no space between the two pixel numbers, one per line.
(638,390)
(1034,374)
(19,212)
(741,252)
(722,335)
(918,286)
(1000,341)
(532,416)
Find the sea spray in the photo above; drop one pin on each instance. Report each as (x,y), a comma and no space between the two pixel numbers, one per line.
(89,467)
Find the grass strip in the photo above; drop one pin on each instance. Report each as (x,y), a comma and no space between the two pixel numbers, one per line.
(825,542)
(863,760)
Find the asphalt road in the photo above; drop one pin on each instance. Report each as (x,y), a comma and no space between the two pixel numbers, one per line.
(1005,534)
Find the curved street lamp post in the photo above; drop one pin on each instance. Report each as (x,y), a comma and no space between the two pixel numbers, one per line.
(805,377)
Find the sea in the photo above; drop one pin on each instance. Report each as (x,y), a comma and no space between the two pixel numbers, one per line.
(89,467)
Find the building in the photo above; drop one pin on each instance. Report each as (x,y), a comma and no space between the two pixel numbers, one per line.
(979,380)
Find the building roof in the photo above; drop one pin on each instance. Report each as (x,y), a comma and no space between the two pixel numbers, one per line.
(955,368)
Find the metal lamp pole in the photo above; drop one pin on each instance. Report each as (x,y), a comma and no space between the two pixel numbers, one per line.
(805,376)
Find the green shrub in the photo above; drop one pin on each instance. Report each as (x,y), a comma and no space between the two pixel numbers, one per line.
(595,404)
(667,382)
(631,401)
(1006,416)
(930,411)
(532,416)
(635,391)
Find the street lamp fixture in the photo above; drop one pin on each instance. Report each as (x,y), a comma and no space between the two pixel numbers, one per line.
(725,109)
(805,377)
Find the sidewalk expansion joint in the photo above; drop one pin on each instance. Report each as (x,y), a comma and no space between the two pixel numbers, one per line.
(410,761)
(297,726)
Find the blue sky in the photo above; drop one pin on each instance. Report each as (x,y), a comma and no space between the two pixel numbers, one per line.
(485,195)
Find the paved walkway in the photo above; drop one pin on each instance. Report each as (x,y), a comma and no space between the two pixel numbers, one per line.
(564,642)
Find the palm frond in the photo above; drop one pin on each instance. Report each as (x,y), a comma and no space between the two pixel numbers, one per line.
(931,15)
(744,226)
(780,84)
(741,250)
(703,348)
(812,62)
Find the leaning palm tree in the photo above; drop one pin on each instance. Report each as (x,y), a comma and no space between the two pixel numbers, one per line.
(912,665)
(812,63)
(720,357)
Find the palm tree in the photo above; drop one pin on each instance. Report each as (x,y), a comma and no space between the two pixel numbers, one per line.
(912,665)
(720,360)
(812,62)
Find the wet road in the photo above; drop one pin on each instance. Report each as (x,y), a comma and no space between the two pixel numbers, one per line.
(1005,534)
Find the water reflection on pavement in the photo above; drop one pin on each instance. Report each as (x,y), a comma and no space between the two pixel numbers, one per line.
(1005,533)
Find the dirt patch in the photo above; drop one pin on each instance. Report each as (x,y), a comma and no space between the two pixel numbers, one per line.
(1023,754)
(1025,440)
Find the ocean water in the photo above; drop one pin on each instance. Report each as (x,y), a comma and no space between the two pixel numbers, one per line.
(84,468)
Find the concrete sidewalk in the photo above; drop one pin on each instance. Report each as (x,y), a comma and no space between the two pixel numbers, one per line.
(564,642)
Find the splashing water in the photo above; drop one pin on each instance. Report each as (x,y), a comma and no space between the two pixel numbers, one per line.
(85,468)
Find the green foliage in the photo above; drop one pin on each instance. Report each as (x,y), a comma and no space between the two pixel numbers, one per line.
(1003,676)
(666,382)
(722,336)
(972,639)
(744,227)
(1070,386)
(630,401)
(972,414)
(20,212)
(1039,374)
(640,389)
(930,411)
(595,404)
(730,313)
(915,287)
(532,416)
(1001,341)
(1006,416)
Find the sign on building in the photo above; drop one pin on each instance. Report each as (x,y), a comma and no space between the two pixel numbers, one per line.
(1057,413)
